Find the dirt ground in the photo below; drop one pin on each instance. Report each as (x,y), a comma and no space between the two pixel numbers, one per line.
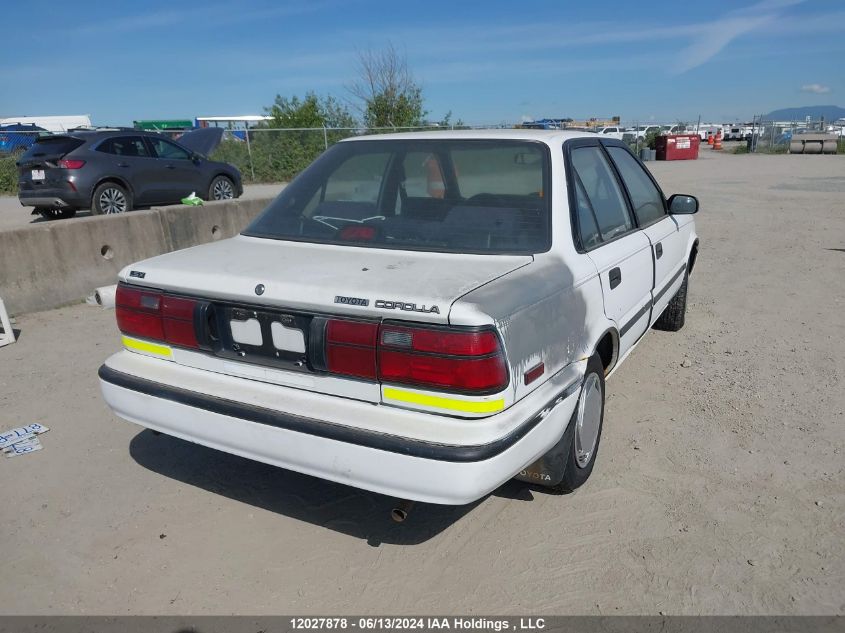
(718,488)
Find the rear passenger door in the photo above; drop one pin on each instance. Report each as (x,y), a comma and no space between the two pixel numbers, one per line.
(608,235)
(129,159)
(649,206)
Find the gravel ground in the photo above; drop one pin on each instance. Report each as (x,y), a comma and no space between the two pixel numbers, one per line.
(14,216)
(718,489)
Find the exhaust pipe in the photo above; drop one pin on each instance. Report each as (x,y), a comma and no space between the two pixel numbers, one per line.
(106,296)
(401,511)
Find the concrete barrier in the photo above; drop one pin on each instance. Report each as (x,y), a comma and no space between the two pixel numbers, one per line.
(56,263)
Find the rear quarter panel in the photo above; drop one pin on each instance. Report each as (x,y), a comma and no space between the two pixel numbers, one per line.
(546,313)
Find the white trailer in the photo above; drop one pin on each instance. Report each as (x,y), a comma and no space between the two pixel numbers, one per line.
(55,124)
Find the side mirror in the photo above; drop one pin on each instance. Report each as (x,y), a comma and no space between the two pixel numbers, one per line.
(197,158)
(682,204)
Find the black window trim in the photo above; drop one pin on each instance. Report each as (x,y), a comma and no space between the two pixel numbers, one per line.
(608,143)
(579,184)
(571,144)
(576,143)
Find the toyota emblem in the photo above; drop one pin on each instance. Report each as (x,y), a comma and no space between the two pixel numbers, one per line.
(259,289)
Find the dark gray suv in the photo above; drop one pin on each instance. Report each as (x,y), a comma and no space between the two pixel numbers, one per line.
(115,170)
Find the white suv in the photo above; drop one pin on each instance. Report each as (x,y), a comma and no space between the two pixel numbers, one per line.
(423,315)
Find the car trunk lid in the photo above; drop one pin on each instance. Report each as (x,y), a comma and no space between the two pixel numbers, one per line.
(321,278)
(38,166)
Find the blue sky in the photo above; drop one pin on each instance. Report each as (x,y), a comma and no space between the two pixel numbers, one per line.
(487,62)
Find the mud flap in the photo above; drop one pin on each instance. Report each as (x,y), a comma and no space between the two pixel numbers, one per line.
(549,469)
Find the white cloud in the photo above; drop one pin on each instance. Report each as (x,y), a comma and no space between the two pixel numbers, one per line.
(726,29)
(818,89)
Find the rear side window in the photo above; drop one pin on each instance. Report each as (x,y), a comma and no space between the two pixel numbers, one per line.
(124,146)
(53,146)
(602,191)
(468,196)
(587,229)
(645,197)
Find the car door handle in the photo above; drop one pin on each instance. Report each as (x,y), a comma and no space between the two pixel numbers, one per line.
(658,250)
(615,277)
(169,166)
(123,164)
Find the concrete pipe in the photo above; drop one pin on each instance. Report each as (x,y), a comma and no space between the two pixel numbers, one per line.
(829,147)
(796,147)
(105,296)
(813,147)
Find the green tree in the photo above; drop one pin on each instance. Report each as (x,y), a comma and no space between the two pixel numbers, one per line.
(309,112)
(386,91)
(298,131)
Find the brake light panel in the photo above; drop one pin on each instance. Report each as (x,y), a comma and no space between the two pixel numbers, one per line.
(70,163)
(148,318)
(351,348)
(440,369)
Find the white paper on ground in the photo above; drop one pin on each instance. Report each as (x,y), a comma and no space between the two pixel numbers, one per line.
(23,447)
(13,436)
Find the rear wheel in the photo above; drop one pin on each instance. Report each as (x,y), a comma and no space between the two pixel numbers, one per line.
(110,198)
(674,315)
(584,430)
(55,214)
(221,189)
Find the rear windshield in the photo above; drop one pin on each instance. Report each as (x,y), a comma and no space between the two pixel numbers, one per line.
(53,146)
(468,196)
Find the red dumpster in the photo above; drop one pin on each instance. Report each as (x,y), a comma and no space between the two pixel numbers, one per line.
(677,146)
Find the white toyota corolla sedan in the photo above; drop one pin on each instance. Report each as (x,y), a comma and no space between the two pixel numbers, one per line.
(424,315)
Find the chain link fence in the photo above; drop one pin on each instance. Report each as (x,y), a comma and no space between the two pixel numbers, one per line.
(774,137)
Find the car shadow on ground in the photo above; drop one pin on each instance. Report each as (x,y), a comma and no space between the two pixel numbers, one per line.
(358,513)
(37,219)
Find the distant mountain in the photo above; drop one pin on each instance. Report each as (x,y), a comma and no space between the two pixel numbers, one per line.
(830,113)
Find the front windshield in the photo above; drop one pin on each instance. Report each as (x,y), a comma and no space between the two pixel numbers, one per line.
(469,196)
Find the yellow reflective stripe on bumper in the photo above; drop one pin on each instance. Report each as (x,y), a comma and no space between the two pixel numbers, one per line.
(481,406)
(146,346)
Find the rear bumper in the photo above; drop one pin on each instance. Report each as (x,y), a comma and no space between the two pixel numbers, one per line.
(52,198)
(404,467)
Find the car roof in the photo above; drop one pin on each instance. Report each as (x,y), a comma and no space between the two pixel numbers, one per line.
(86,134)
(513,134)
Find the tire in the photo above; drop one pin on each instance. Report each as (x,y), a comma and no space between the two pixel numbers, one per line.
(221,188)
(55,214)
(674,315)
(580,461)
(110,198)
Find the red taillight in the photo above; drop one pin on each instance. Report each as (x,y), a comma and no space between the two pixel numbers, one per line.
(153,315)
(351,348)
(428,357)
(443,372)
(71,163)
(437,341)
(141,324)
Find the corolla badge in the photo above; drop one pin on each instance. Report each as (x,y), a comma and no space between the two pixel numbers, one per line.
(407,307)
(259,289)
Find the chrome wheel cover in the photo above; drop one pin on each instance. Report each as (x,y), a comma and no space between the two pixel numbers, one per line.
(112,201)
(223,190)
(588,421)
